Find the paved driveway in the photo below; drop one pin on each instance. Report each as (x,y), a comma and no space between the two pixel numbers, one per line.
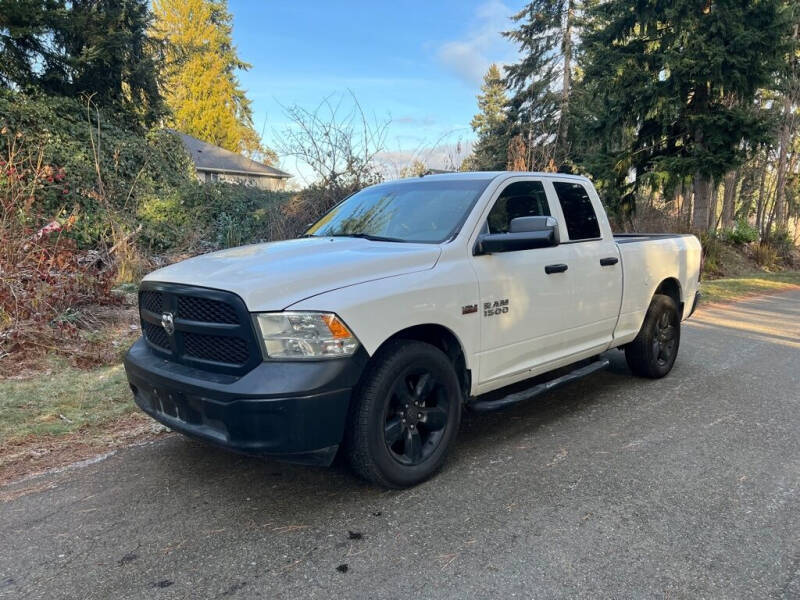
(619,487)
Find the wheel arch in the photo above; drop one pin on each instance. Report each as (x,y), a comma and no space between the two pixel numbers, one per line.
(671,287)
(443,338)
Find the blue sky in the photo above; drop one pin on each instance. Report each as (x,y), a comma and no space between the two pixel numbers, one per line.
(418,63)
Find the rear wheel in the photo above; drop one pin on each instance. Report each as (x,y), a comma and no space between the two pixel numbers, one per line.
(405,415)
(653,352)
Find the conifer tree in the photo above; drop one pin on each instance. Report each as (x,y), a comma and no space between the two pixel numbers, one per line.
(96,48)
(490,152)
(673,85)
(541,81)
(199,77)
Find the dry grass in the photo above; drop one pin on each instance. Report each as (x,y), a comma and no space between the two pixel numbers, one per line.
(63,414)
(61,399)
(736,288)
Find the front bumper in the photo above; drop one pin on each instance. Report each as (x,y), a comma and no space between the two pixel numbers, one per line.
(294,411)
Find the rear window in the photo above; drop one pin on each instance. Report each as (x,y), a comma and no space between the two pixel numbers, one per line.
(578,211)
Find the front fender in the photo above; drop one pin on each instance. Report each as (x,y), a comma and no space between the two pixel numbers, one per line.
(376,310)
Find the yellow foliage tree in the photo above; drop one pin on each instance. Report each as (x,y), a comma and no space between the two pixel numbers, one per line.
(199,78)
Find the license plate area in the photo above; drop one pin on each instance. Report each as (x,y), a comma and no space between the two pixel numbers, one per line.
(173,404)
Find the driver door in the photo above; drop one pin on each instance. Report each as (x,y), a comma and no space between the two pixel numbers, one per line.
(524,311)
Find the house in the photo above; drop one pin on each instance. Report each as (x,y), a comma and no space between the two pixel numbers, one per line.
(217,164)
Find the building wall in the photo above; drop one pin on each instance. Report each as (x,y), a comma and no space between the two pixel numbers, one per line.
(264,183)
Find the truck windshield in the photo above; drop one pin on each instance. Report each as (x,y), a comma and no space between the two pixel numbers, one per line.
(408,211)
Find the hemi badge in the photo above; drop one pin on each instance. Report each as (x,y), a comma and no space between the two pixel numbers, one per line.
(469,309)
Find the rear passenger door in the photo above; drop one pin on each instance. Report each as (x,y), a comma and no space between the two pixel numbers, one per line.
(594,265)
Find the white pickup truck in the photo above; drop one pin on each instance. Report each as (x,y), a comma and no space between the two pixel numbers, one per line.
(404,304)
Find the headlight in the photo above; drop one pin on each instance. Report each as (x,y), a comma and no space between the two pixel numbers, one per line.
(305,335)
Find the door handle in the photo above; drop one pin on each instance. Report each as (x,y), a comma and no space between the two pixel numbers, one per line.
(550,269)
(607,262)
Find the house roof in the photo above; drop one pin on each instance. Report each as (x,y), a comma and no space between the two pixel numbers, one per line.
(208,157)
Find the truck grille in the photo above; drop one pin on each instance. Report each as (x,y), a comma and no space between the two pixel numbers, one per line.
(212,328)
(215,347)
(155,335)
(202,309)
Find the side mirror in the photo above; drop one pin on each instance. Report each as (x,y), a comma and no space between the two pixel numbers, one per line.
(522,224)
(525,233)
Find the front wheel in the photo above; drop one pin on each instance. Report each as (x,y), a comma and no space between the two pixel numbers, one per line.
(405,415)
(655,348)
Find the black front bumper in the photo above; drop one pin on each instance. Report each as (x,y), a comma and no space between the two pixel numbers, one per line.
(295,411)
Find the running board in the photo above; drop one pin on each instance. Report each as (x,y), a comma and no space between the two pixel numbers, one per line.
(538,389)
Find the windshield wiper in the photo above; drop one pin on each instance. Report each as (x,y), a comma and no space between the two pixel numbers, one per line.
(365,236)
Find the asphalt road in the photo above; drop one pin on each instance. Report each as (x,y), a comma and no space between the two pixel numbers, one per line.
(687,487)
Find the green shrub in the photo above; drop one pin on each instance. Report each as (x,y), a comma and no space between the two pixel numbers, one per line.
(782,241)
(78,141)
(741,233)
(765,255)
(207,216)
(712,253)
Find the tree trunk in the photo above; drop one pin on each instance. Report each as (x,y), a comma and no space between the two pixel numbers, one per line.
(761,200)
(686,203)
(702,186)
(786,131)
(566,49)
(677,200)
(729,199)
(786,135)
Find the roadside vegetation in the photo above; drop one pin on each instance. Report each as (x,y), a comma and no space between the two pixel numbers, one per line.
(756,283)
(65,414)
(61,400)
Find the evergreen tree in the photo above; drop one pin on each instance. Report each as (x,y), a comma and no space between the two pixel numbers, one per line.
(199,77)
(24,29)
(541,81)
(110,57)
(490,152)
(97,48)
(672,86)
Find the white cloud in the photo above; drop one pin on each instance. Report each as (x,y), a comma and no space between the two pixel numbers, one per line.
(469,58)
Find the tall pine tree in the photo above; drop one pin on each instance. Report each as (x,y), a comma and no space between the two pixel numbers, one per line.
(490,152)
(82,47)
(673,85)
(541,81)
(199,77)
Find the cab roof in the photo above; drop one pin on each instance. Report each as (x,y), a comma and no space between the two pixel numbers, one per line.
(488,176)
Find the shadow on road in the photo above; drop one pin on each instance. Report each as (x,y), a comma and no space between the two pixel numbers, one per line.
(195,465)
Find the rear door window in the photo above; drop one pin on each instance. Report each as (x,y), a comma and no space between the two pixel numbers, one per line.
(518,199)
(581,220)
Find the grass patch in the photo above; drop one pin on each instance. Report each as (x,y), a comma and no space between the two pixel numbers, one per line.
(63,400)
(734,288)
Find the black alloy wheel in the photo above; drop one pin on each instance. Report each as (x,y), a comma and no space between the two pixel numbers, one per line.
(416,416)
(664,341)
(653,352)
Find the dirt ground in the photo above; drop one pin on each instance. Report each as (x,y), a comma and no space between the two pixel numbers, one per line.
(30,456)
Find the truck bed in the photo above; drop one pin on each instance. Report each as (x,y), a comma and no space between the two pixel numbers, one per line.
(650,258)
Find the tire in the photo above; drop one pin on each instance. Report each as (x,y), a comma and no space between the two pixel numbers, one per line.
(381,446)
(652,354)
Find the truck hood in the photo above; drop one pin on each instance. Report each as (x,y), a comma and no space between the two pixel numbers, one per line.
(276,275)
